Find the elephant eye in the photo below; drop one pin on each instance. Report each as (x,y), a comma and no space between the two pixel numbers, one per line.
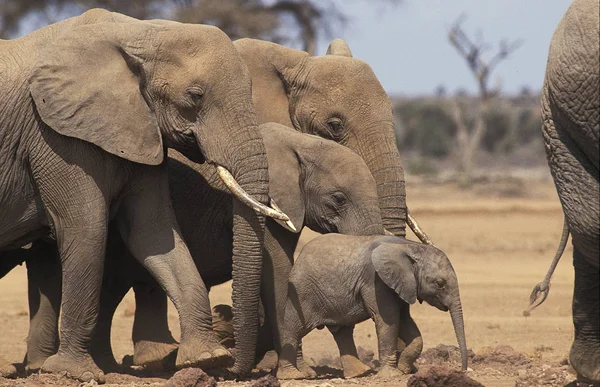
(335,126)
(440,283)
(196,95)
(339,198)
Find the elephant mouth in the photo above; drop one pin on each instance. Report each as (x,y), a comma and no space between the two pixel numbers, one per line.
(233,186)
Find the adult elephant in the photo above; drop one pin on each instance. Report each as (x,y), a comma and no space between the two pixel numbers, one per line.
(338,97)
(571,129)
(88,106)
(321,184)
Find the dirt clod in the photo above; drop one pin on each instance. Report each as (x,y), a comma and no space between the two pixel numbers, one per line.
(443,354)
(266,381)
(502,354)
(191,377)
(441,376)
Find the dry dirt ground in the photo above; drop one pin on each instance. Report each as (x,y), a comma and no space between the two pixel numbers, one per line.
(500,236)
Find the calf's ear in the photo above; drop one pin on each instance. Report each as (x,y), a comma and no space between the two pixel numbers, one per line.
(395,268)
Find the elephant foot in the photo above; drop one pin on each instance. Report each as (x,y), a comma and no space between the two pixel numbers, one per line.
(154,355)
(306,369)
(585,364)
(33,362)
(353,367)
(80,367)
(388,372)
(107,363)
(7,369)
(201,354)
(290,372)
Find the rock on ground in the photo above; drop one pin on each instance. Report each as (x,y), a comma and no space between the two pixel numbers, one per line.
(191,377)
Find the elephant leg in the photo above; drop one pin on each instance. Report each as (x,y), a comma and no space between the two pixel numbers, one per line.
(44,293)
(113,291)
(153,342)
(344,338)
(387,323)
(277,264)
(81,248)
(150,232)
(294,330)
(410,343)
(585,351)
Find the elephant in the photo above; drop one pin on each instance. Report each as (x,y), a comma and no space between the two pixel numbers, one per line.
(338,97)
(341,280)
(570,107)
(89,107)
(317,182)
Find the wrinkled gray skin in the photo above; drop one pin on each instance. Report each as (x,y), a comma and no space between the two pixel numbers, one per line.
(571,128)
(334,96)
(318,183)
(88,107)
(341,280)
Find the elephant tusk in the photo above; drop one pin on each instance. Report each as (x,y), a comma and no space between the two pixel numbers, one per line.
(386,232)
(414,226)
(248,200)
(287,222)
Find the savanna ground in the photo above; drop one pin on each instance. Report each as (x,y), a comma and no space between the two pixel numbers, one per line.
(500,234)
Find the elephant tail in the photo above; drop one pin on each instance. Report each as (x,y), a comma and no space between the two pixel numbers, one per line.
(541,290)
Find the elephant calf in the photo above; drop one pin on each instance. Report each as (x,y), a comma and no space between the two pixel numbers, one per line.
(341,280)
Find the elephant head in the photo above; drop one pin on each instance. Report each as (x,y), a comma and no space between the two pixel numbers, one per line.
(420,272)
(337,97)
(320,184)
(134,87)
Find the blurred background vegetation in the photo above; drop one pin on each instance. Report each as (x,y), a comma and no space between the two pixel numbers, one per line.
(461,133)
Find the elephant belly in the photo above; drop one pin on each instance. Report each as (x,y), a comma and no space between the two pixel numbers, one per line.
(22,221)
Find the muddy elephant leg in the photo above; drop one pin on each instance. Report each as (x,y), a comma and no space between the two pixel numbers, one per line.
(150,232)
(344,338)
(410,343)
(585,351)
(44,293)
(153,342)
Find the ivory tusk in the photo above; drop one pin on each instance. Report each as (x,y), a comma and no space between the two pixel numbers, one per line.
(287,222)
(414,226)
(386,232)
(248,200)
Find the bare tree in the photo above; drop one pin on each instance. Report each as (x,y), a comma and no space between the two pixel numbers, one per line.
(472,51)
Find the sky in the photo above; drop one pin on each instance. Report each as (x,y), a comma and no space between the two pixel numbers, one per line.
(407,45)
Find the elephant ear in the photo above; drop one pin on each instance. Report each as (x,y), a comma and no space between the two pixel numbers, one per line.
(395,268)
(86,84)
(339,47)
(285,173)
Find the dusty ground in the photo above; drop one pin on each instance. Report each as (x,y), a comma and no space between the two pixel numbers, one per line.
(500,237)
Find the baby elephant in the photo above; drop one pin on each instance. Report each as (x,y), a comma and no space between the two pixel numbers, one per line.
(341,280)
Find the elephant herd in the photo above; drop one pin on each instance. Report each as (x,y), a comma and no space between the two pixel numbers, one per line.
(164,157)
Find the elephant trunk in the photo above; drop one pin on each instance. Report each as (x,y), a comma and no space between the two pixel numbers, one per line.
(239,150)
(378,149)
(248,238)
(456,314)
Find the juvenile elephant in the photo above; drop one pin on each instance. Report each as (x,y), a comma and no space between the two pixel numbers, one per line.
(571,129)
(341,280)
(319,183)
(88,107)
